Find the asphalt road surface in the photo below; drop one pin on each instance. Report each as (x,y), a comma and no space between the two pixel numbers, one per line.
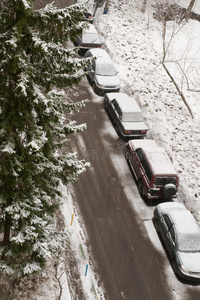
(131,259)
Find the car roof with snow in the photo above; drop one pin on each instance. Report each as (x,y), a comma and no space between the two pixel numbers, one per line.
(100,54)
(126,104)
(181,216)
(90,29)
(157,157)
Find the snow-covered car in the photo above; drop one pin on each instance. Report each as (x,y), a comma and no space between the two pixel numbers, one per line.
(102,72)
(181,236)
(88,39)
(154,172)
(126,115)
(91,6)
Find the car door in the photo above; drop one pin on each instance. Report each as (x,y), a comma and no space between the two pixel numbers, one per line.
(168,234)
(113,111)
(90,67)
(136,157)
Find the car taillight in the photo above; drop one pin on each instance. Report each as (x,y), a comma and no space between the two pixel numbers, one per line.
(143,131)
(127,131)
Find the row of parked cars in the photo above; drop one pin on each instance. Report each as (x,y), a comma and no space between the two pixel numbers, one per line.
(153,170)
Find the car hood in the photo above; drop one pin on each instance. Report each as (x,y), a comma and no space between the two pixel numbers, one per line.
(191,261)
(134,126)
(108,81)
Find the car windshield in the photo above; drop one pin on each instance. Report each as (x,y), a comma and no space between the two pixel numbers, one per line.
(189,242)
(90,38)
(106,70)
(161,181)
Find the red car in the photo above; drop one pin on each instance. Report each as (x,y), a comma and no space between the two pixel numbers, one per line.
(153,170)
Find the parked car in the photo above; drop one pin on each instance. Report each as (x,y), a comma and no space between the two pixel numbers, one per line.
(88,39)
(181,236)
(126,115)
(153,170)
(91,7)
(88,17)
(102,72)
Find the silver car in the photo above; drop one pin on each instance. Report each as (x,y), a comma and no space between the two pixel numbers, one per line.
(102,72)
(181,236)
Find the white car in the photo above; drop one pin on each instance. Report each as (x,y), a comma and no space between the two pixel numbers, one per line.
(181,236)
(91,7)
(88,39)
(102,72)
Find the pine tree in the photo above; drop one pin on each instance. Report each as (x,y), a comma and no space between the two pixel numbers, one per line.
(35,120)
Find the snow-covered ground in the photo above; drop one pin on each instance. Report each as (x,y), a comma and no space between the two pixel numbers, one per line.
(134,41)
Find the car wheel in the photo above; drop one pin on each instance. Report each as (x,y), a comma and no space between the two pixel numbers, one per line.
(127,154)
(140,187)
(117,129)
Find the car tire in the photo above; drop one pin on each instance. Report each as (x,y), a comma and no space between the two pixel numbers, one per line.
(169,190)
(127,154)
(140,187)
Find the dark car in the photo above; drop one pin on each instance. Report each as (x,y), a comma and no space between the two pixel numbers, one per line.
(181,236)
(154,172)
(126,115)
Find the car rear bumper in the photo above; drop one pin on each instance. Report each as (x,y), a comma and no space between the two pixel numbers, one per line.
(132,136)
(103,90)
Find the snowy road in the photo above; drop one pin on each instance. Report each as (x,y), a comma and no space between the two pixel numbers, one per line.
(130,257)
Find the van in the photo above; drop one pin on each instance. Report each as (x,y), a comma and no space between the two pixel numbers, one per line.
(153,170)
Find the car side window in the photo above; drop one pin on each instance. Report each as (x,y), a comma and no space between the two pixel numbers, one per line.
(140,154)
(172,232)
(88,54)
(117,108)
(167,222)
(144,163)
(94,66)
(115,104)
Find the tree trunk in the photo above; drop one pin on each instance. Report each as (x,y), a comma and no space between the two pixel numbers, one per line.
(7,228)
(189,9)
(144,6)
